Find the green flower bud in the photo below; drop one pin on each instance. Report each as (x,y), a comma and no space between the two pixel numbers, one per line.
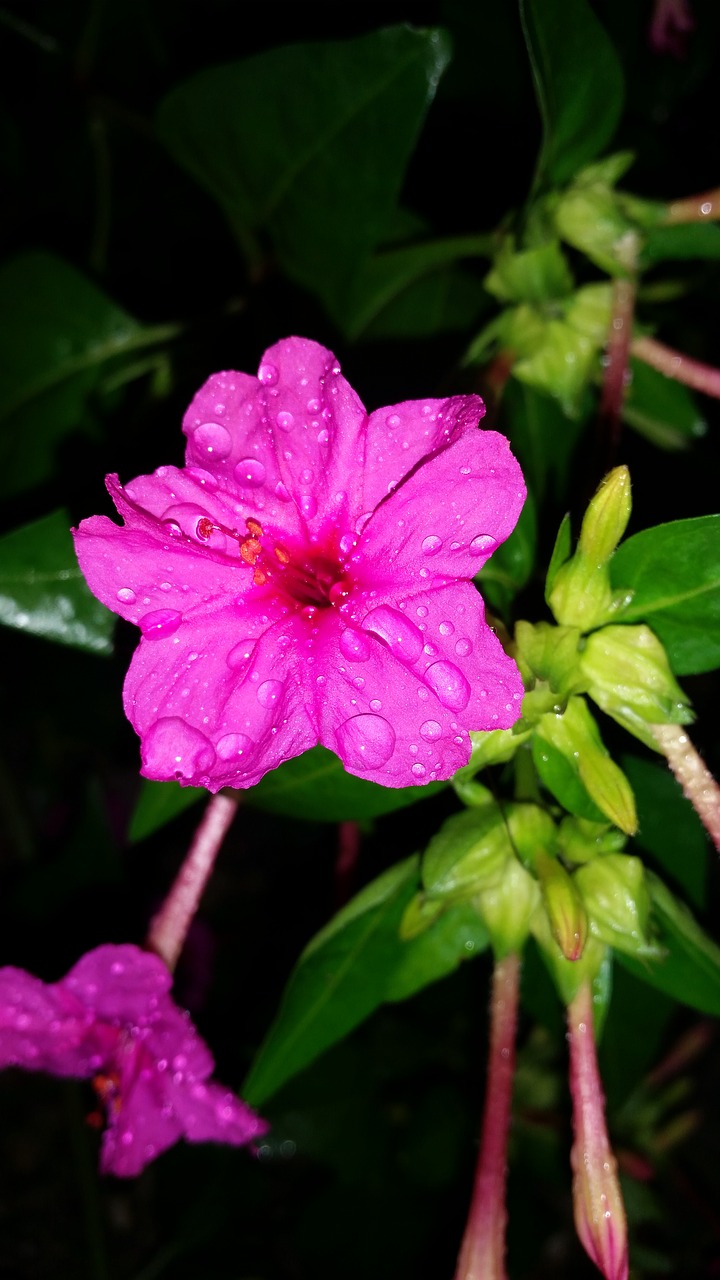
(568,975)
(557,350)
(580,840)
(606,518)
(531,275)
(628,675)
(507,908)
(563,906)
(581,594)
(420,913)
(575,736)
(470,852)
(530,828)
(617,902)
(550,654)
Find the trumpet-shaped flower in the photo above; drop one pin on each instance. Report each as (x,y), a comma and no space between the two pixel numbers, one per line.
(111,1019)
(307,578)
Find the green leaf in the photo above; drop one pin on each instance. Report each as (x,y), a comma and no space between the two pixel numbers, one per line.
(386,277)
(310,142)
(661,408)
(543,437)
(563,781)
(690,970)
(315,786)
(673,571)
(578,82)
(682,241)
(561,553)
(668,826)
(509,568)
(158,803)
(351,967)
(42,590)
(60,335)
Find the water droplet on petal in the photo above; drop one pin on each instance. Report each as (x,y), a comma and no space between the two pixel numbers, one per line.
(347,542)
(463,647)
(421,611)
(172,748)
(240,654)
(234,745)
(449,683)
(419,770)
(483,545)
(323,436)
(431,544)
(375,704)
(393,421)
(212,440)
(355,646)
(431,730)
(269,692)
(160,624)
(308,504)
(281,492)
(126,595)
(250,473)
(402,637)
(267,375)
(306,476)
(365,741)
(313,406)
(285,420)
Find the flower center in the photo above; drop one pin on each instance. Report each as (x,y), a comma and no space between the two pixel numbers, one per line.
(311,580)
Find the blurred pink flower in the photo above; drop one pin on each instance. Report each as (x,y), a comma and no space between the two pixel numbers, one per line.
(112,1020)
(307,577)
(671,24)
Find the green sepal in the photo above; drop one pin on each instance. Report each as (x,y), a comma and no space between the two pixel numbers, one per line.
(568,975)
(580,840)
(628,675)
(534,275)
(507,908)
(469,852)
(550,654)
(563,906)
(617,902)
(574,734)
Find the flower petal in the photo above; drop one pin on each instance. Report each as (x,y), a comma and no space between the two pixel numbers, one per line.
(208,1112)
(121,985)
(222,701)
(144,1125)
(447,518)
(41,1027)
(296,431)
(402,435)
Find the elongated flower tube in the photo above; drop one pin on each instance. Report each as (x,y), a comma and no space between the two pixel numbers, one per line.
(597,1199)
(307,578)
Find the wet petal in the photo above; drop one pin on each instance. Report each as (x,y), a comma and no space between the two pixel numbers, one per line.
(41,1028)
(402,435)
(140,1126)
(120,984)
(208,1112)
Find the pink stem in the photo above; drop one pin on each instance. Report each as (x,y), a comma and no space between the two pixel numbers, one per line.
(693,775)
(695,374)
(168,929)
(617,352)
(597,1200)
(702,208)
(482,1253)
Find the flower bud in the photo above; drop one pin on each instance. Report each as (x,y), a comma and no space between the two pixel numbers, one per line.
(617,902)
(469,853)
(629,676)
(580,840)
(597,1200)
(581,594)
(507,908)
(531,275)
(575,737)
(606,518)
(568,975)
(563,906)
(550,654)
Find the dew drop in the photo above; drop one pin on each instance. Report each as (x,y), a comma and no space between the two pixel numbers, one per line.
(313,406)
(323,436)
(359,682)
(463,647)
(268,375)
(449,683)
(212,440)
(431,544)
(446,628)
(418,769)
(402,637)
(483,545)
(160,624)
(234,745)
(269,692)
(126,595)
(308,504)
(375,704)
(347,542)
(250,473)
(421,611)
(285,420)
(431,730)
(365,741)
(172,748)
(355,646)
(393,421)
(281,492)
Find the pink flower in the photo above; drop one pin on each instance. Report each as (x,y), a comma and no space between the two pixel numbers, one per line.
(671,24)
(307,577)
(112,1020)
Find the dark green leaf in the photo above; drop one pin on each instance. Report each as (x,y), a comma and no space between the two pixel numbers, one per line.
(316,787)
(310,142)
(690,971)
(449,300)
(158,804)
(543,437)
(684,240)
(668,826)
(578,82)
(351,967)
(509,568)
(661,408)
(59,336)
(42,590)
(674,572)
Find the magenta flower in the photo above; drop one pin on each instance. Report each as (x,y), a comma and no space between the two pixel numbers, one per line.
(307,577)
(111,1019)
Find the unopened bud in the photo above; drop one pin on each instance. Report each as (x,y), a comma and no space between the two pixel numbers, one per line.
(550,654)
(581,594)
(575,736)
(627,673)
(507,908)
(468,853)
(617,902)
(580,840)
(563,905)
(606,518)
(597,1200)
(534,275)
(568,975)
